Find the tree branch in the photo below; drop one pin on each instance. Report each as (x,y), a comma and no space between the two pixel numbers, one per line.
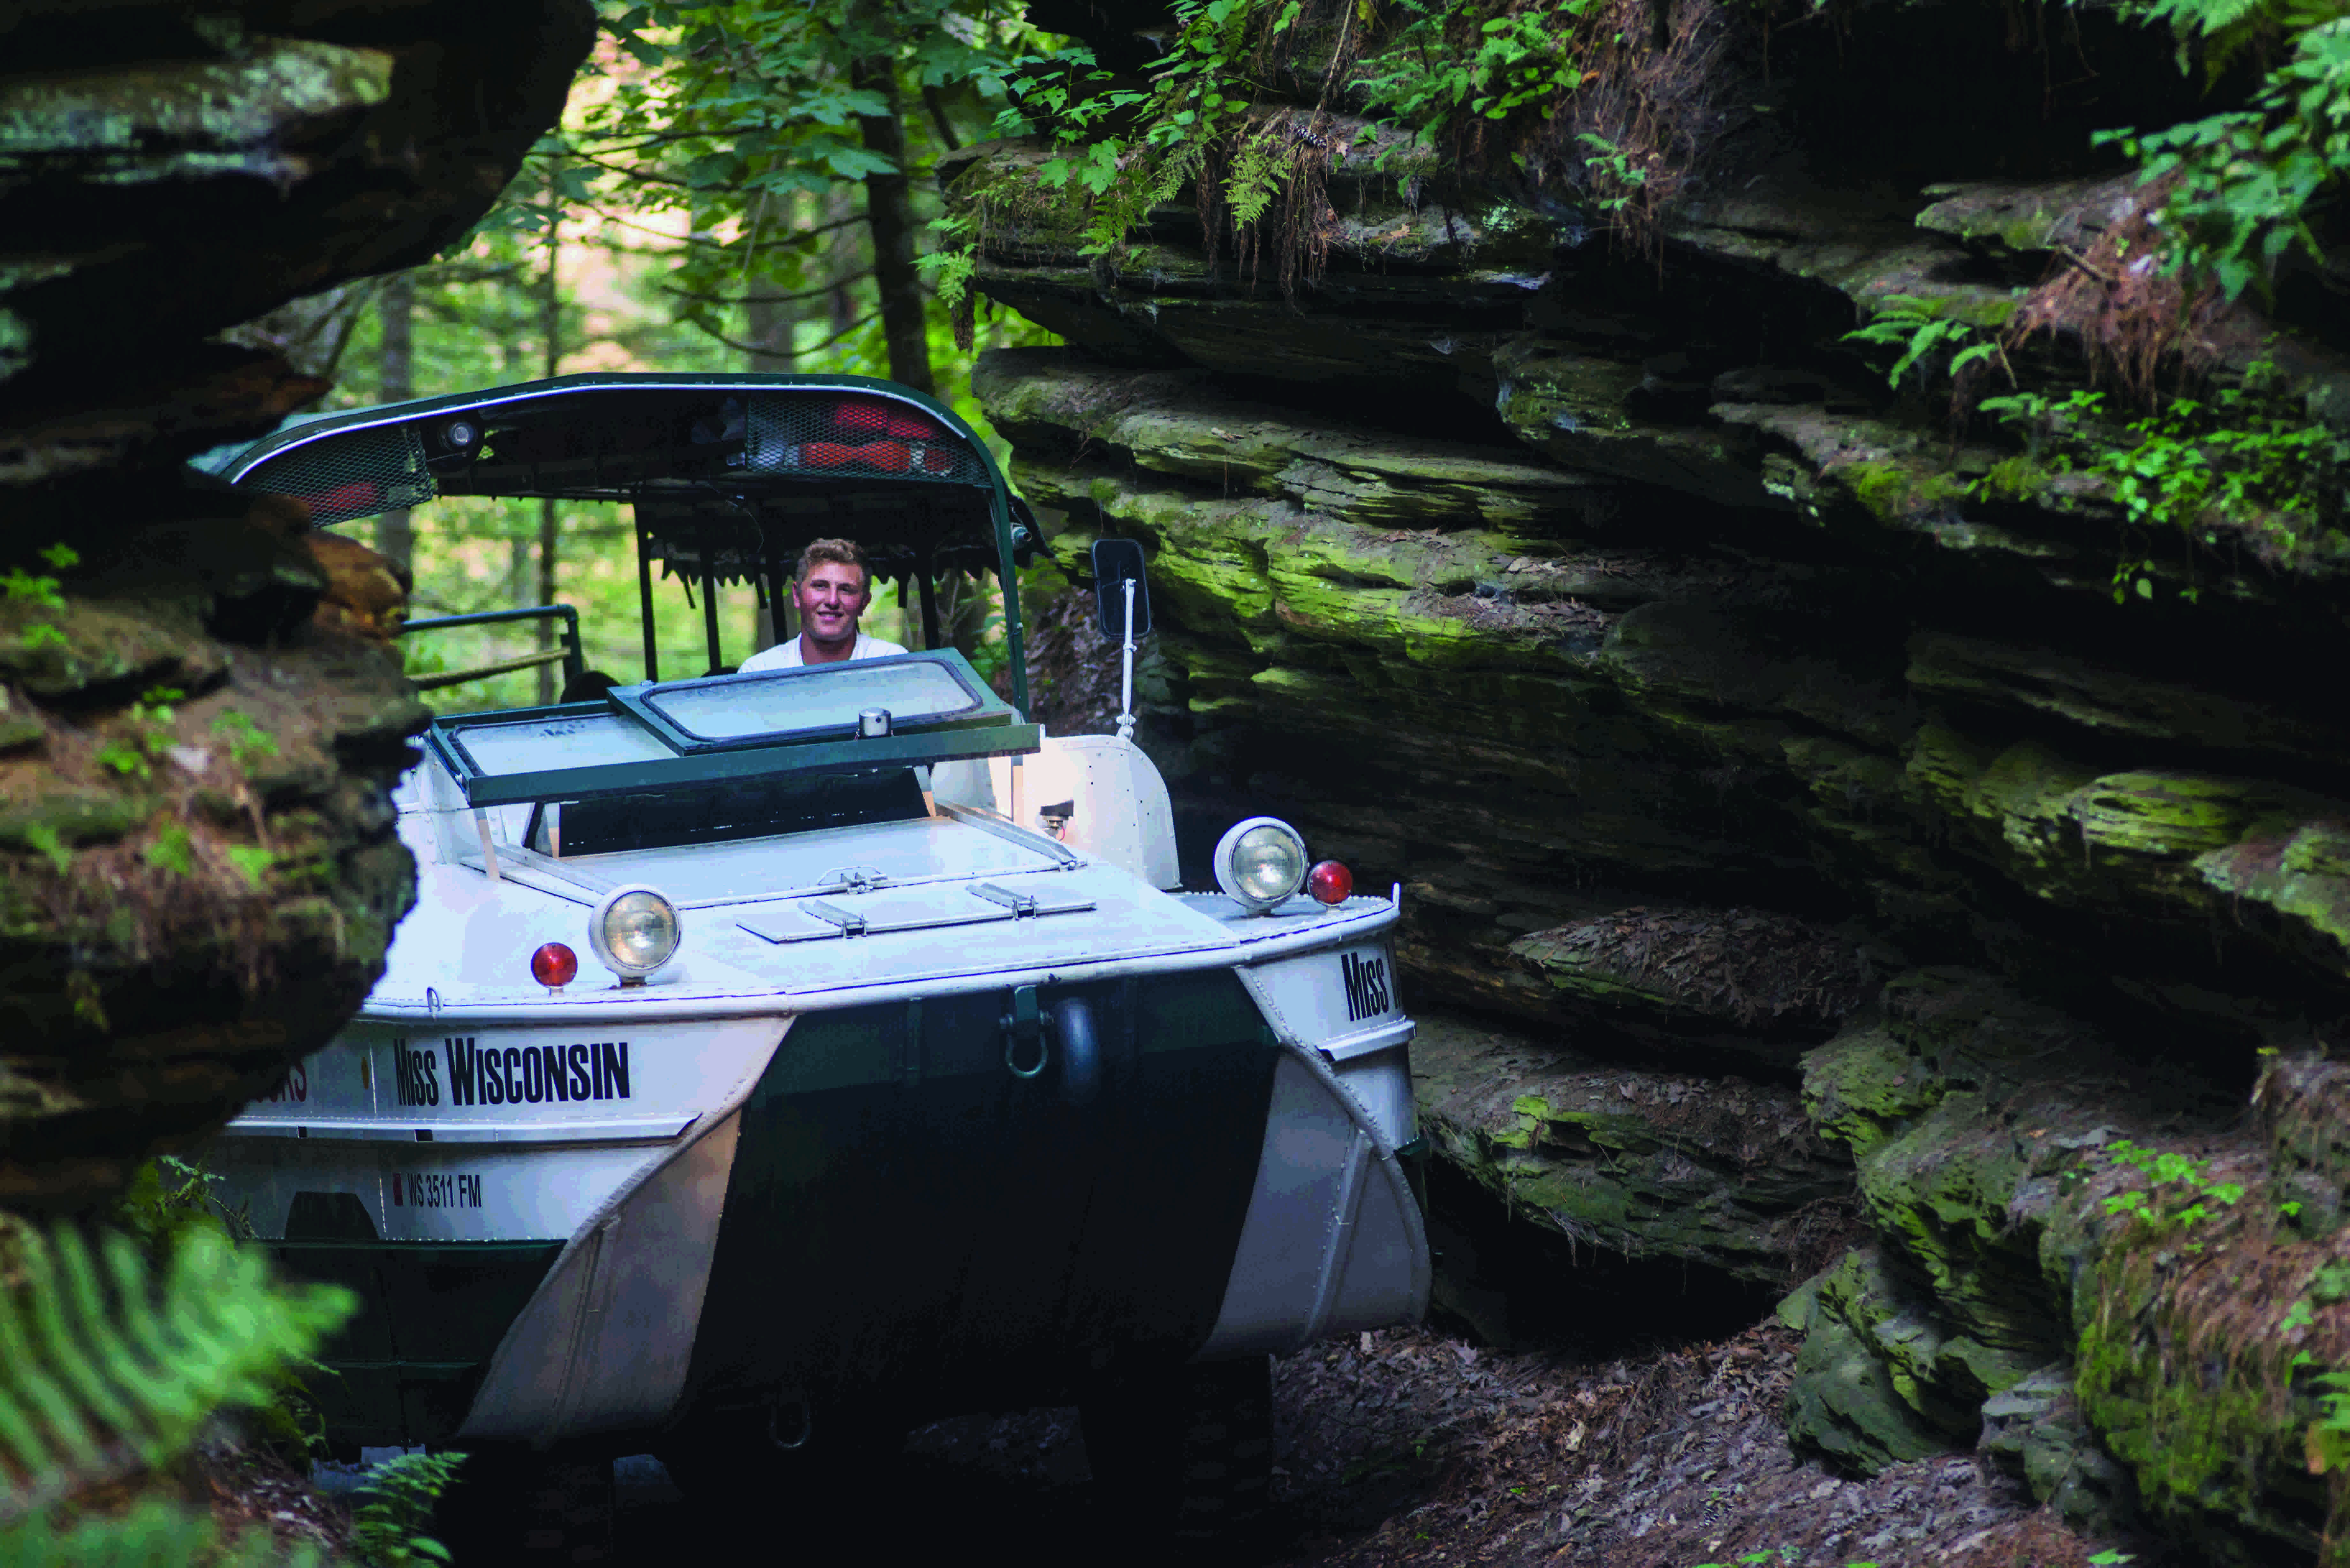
(773,353)
(935,101)
(768,298)
(788,237)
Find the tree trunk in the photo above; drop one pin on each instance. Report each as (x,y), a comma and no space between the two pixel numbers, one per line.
(769,332)
(840,203)
(395,382)
(550,326)
(889,213)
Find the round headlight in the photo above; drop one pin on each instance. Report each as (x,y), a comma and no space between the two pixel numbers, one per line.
(1260,862)
(634,931)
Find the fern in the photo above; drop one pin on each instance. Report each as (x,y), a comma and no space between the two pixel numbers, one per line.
(401,1494)
(1258,170)
(154,1533)
(106,1369)
(1925,338)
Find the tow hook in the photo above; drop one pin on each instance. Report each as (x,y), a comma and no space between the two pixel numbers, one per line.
(1030,1032)
(1024,1030)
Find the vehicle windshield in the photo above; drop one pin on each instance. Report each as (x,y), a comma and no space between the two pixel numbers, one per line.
(673,762)
(787,703)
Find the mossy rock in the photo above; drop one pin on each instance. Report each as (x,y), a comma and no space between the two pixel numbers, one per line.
(2034,1430)
(2111,700)
(109,650)
(1578,409)
(1720,1175)
(1844,1401)
(38,811)
(1724,969)
(1864,1086)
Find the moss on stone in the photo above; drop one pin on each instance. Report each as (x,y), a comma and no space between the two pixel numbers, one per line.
(2014,479)
(1845,1400)
(1645,1163)
(1893,490)
(214,107)
(103,644)
(1864,1086)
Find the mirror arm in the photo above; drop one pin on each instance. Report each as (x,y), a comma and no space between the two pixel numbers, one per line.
(1126,671)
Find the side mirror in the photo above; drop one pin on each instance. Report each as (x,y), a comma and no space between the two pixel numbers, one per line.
(1025,534)
(1116,563)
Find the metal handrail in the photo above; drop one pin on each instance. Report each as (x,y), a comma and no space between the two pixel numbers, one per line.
(575,662)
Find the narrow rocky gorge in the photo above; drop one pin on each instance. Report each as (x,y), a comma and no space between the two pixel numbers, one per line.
(1772,751)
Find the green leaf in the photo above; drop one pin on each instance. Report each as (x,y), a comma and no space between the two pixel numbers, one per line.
(251,862)
(43,838)
(172,851)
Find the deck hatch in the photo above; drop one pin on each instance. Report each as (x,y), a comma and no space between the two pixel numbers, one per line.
(886,910)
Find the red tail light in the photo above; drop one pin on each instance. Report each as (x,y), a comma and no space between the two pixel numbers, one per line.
(1330,882)
(885,419)
(359,496)
(554,965)
(888,456)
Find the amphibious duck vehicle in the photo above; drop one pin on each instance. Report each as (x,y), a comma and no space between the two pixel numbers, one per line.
(777,1056)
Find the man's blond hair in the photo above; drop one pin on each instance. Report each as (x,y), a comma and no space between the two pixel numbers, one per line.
(840,553)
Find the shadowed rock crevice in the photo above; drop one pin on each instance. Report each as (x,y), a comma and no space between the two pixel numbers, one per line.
(200,717)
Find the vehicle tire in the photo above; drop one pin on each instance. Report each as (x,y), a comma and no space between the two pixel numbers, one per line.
(1188,1450)
(524,1507)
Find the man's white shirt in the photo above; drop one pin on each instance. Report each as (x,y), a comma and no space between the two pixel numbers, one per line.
(785,655)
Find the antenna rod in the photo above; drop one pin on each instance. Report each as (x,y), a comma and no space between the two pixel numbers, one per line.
(1126,671)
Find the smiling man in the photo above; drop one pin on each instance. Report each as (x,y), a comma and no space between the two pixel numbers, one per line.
(831,590)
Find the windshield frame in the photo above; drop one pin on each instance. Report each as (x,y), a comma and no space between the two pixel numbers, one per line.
(991,727)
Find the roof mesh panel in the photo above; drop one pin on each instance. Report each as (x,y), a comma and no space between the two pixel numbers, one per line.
(854,437)
(356,474)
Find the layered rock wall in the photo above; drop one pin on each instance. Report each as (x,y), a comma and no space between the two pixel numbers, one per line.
(1752,730)
(199,716)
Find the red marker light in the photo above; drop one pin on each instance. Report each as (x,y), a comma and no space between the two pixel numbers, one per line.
(884,419)
(1330,882)
(554,965)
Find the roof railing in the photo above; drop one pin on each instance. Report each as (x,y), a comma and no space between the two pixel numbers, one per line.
(573,661)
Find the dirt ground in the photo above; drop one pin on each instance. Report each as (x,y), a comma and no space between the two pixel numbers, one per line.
(1406,1447)
(1417,1447)
(1413,1446)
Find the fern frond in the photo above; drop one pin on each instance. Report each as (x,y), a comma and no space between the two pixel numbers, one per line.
(150,1535)
(105,1370)
(399,1498)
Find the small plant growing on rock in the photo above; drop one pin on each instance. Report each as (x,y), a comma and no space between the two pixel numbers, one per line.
(1519,59)
(388,1527)
(245,739)
(2180,1192)
(19,585)
(151,737)
(2242,455)
(1928,341)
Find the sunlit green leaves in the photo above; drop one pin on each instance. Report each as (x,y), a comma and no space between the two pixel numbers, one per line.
(2247,180)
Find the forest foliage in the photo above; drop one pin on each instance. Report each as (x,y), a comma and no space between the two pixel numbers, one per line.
(754,186)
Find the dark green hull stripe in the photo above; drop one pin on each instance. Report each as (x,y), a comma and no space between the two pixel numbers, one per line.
(431,1315)
(912,1227)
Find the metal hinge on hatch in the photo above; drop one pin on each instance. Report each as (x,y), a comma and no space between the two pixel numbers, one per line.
(1021,905)
(851,924)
